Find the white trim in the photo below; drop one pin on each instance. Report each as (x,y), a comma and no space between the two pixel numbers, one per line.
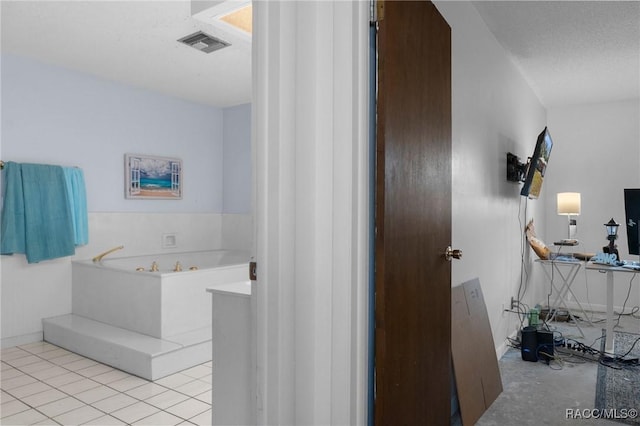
(311,146)
(23,339)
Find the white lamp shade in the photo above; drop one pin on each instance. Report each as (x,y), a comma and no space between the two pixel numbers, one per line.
(569,203)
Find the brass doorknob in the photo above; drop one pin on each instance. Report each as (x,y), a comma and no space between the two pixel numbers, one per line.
(452,254)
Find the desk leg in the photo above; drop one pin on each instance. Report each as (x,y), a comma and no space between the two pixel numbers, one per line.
(609,343)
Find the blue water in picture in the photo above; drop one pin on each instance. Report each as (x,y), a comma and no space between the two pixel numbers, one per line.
(155,182)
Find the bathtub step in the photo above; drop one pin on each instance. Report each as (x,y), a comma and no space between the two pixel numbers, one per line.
(135,353)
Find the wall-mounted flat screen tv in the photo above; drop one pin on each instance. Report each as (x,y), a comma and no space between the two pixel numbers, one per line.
(632,211)
(537,165)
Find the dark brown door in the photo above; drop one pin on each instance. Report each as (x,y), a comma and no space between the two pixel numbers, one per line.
(413,216)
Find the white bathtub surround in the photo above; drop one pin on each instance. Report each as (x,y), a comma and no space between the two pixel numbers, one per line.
(148,357)
(233,375)
(147,323)
(159,304)
(33,292)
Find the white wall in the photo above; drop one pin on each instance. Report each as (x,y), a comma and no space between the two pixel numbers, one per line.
(237,172)
(596,152)
(57,116)
(494,112)
(54,115)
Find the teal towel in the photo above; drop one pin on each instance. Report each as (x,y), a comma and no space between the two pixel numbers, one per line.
(77,195)
(12,228)
(47,223)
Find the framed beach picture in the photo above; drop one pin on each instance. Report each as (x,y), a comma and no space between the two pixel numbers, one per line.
(151,177)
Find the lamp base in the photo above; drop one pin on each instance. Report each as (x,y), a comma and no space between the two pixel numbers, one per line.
(609,250)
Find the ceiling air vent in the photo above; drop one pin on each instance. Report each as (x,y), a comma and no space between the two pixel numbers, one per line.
(204,42)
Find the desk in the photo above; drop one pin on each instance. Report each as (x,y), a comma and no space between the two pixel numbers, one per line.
(609,271)
(567,271)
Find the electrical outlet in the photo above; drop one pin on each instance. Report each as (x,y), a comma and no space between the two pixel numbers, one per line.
(514,303)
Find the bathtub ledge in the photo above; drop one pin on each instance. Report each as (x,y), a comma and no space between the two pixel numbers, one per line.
(135,353)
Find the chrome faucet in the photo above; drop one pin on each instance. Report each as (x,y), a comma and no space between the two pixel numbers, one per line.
(99,257)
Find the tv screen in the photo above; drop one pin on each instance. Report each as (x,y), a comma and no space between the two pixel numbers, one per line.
(537,166)
(632,211)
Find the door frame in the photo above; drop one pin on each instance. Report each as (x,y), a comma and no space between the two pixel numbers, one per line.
(311,194)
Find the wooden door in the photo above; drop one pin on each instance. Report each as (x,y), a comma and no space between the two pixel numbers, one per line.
(413,216)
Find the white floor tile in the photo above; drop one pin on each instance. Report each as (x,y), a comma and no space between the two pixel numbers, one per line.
(174,380)
(80,364)
(55,353)
(12,407)
(63,379)
(47,422)
(135,412)
(60,406)
(5,397)
(79,416)
(23,360)
(38,347)
(189,408)
(36,366)
(204,397)
(49,373)
(127,383)
(66,359)
(27,417)
(194,388)
(197,371)
(45,397)
(16,382)
(12,353)
(110,376)
(95,370)
(160,418)
(96,394)
(167,399)
(113,403)
(146,391)
(69,389)
(202,419)
(10,373)
(30,389)
(105,421)
(79,386)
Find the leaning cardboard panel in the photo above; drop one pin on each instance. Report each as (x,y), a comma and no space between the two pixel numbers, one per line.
(475,363)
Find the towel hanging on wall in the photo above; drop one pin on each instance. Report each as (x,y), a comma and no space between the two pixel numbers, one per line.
(77,196)
(12,228)
(37,217)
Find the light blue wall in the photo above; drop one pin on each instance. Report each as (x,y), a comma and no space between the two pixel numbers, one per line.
(237,159)
(54,115)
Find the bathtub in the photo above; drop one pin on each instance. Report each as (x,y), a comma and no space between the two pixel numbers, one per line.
(123,292)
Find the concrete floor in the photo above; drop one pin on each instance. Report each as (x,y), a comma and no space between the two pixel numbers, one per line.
(537,393)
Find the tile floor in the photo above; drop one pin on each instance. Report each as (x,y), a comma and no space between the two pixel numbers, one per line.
(43,384)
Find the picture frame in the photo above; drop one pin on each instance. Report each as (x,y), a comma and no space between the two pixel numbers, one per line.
(149,177)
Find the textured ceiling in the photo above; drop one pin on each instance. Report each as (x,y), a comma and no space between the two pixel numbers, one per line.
(132,42)
(571,52)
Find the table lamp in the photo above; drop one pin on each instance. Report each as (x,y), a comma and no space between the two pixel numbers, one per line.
(612,235)
(569,205)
